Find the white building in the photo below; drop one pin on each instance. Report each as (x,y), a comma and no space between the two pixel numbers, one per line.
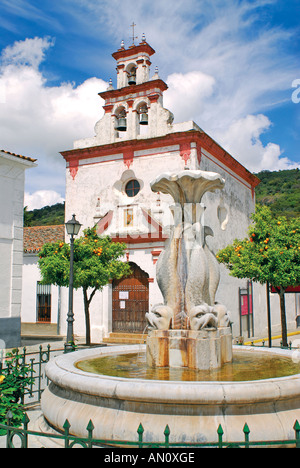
(12,176)
(40,304)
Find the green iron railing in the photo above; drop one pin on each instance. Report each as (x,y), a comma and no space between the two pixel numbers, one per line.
(36,362)
(67,440)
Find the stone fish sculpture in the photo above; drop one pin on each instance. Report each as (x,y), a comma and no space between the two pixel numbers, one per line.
(187,271)
(160,317)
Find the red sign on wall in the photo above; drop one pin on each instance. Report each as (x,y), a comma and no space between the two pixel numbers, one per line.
(290,289)
(244,304)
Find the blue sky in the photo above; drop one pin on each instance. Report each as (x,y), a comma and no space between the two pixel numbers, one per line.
(230,66)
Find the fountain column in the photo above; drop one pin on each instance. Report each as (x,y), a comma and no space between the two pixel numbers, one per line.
(189,329)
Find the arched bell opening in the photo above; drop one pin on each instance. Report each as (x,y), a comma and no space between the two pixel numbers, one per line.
(131,73)
(142,118)
(121,120)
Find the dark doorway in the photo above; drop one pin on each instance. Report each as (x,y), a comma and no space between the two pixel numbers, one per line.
(130,302)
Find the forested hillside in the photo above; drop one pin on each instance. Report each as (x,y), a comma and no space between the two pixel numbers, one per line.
(280,190)
(46,216)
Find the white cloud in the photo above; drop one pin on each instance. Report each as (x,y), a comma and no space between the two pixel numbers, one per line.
(41,198)
(242,141)
(188,93)
(225,68)
(196,96)
(39,120)
(28,52)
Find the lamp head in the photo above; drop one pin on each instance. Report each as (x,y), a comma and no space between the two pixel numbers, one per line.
(73,226)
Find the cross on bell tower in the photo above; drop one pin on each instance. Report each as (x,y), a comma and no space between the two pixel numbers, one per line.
(133,37)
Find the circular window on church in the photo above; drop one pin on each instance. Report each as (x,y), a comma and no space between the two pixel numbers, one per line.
(132,188)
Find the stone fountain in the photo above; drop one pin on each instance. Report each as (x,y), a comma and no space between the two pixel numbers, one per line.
(189,333)
(189,329)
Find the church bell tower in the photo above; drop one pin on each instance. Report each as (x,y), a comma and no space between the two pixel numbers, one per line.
(134,109)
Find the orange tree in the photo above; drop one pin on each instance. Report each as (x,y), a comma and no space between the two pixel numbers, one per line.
(96,261)
(270,253)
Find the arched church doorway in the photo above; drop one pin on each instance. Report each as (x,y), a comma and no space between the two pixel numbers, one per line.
(130,302)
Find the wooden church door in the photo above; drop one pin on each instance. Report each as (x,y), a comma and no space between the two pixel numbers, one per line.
(130,302)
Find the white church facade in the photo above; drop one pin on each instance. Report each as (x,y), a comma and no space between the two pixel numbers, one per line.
(108,181)
(108,185)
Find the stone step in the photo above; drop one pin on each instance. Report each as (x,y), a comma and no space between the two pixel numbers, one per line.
(39,329)
(125,338)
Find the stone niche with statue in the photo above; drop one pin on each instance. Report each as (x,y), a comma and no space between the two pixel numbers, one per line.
(190,329)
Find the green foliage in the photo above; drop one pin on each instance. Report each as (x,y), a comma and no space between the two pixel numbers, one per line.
(46,216)
(96,262)
(280,190)
(14,378)
(270,253)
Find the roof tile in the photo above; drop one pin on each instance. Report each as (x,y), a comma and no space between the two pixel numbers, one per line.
(36,236)
(18,156)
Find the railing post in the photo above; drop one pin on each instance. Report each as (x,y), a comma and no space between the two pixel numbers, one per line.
(32,378)
(9,417)
(23,357)
(220,436)
(26,421)
(297,433)
(167,436)
(140,432)
(246,431)
(90,428)
(40,372)
(66,427)
(48,352)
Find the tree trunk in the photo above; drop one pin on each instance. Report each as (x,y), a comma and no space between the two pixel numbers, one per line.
(87,300)
(283,317)
(87,317)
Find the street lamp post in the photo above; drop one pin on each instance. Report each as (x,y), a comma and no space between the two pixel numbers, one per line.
(73,228)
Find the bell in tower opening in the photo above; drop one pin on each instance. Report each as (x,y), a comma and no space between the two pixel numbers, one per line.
(121,125)
(143,115)
(132,76)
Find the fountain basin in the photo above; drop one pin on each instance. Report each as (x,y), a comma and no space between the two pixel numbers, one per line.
(193,410)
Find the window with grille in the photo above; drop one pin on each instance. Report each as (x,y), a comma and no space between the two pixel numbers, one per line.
(43,301)
(132,188)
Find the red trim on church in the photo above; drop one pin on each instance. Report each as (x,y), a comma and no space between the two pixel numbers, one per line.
(103,224)
(139,238)
(133,89)
(185,151)
(128,157)
(138,49)
(183,139)
(73,167)
(155,255)
(155,233)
